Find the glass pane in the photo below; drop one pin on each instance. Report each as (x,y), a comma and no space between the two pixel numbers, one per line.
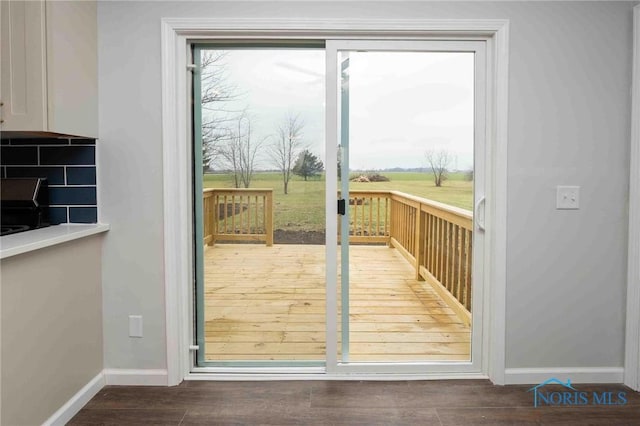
(262,294)
(407,121)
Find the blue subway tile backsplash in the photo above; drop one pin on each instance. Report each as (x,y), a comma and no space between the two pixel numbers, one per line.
(57,155)
(54,175)
(19,155)
(83,214)
(39,141)
(81,141)
(58,215)
(68,164)
(81,175)
(77,196)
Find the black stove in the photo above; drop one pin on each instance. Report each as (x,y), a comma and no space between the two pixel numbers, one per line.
(8,230)
(24,205)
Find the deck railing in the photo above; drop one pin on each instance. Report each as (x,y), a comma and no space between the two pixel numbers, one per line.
(435,238)
(236,214)
(369,214)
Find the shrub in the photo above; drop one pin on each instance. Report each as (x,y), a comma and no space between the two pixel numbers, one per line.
(368,177)
(361,178)
(377,177)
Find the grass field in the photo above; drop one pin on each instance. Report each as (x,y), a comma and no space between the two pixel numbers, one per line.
(303,208)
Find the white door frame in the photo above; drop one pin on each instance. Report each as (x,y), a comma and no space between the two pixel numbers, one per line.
(176,137)
(632,345)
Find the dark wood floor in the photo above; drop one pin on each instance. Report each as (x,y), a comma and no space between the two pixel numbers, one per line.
(456,402)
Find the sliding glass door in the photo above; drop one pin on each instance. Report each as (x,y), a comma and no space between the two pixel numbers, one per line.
(339,241)
(259,195)
(409,120)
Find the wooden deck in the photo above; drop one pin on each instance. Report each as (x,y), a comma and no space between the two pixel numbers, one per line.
(268,303)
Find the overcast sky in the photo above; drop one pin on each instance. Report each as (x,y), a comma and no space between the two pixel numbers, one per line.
(401,103)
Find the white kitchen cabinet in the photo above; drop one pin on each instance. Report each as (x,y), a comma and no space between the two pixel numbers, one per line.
(48,67)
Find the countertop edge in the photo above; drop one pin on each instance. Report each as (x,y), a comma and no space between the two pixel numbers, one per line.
(12,245)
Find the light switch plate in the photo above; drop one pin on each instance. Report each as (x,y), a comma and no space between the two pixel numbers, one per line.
(135,325)
(568,198)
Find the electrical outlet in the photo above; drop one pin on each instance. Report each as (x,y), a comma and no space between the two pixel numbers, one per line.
(568,198)
(135,325)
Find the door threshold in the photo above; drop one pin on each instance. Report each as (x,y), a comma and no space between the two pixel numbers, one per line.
(227,374)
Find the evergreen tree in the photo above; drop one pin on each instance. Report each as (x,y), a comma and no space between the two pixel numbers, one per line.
(308,165)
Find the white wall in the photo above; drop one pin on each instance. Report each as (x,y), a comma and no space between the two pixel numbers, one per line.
(570,74)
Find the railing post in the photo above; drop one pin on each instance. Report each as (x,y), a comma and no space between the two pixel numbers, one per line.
(419,242)
(387,218)
(269,218)
(390,217)
(212,217)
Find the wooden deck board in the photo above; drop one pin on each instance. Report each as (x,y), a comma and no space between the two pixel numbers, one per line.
(268,303)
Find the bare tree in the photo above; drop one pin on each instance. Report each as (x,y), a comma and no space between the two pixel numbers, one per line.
(439,162)
(240,152)
(284,152)
(217,115)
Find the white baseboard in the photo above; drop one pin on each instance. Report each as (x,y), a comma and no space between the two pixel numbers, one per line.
(126,377)
(532,376)
(106,377)
(77,401)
